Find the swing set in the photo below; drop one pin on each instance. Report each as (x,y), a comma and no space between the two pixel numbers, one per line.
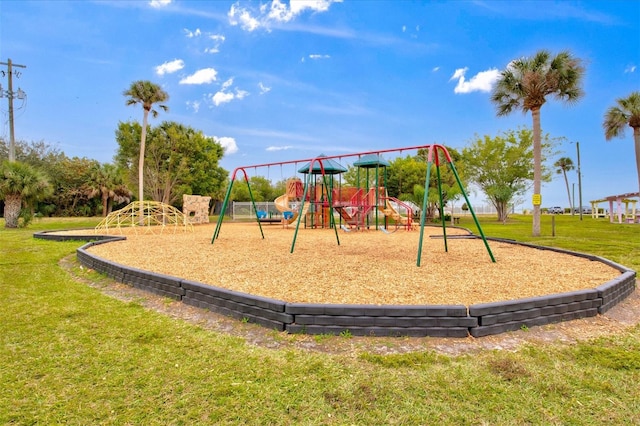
(369,200)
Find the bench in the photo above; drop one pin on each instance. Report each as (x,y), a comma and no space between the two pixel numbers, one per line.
(270,220)
(265,217)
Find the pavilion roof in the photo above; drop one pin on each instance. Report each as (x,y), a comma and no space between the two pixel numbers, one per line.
(330,166)
(370,161)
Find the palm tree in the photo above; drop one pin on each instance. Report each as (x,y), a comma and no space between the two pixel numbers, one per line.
(524,85)
(563,165)
(627,112)
(20,183)
(106,181)
(145,93)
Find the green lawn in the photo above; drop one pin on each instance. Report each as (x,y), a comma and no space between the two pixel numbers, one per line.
(71,355)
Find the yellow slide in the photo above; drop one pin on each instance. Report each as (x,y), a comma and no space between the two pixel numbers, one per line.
(282,204)
(391,212)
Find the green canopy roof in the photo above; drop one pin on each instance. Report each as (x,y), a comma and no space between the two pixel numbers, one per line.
(330,167)
(370,161)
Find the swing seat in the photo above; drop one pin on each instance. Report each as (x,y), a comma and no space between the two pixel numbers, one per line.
(261,214)
(287,215)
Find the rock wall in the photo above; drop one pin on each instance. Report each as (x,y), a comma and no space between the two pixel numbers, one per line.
(196,208)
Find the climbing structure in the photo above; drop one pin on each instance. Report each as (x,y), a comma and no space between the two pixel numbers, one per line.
(363,202)
(155,216)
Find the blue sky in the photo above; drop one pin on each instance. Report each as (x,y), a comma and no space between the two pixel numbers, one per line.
(279,81)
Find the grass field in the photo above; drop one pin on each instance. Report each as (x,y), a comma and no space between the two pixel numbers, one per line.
(71,355)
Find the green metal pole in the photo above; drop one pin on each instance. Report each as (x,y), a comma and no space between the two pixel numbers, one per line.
(301,209)
(444,226)
(386,193)
(473,214)
(367,193)
(216,233)
(332,220)
(255,209)
(377,193)
(424,210)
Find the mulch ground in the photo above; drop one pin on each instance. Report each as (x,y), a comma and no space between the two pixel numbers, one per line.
(367,267)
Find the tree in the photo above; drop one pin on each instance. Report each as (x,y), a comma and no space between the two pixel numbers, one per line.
(626,112)
(563,165)
(106,181)
(147,94)
(20,184)
(70,179)
(73,180)
(450,189)
(403,174)
(357,177)
(179,160)
(502,166)
(525,84)
(406,179)
(261,189)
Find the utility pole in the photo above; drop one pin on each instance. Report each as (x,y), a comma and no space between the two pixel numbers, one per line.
(10,95)
(579,179)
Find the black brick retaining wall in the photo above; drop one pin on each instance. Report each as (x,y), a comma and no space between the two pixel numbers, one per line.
(370,320)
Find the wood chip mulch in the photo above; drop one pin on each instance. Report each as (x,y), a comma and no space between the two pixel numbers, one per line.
(367,267)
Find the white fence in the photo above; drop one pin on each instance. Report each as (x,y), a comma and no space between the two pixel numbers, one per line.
(244,209)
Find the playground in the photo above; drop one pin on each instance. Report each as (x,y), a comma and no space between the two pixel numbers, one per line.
(340,252)
(369,267)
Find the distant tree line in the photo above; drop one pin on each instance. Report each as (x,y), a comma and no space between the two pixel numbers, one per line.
(181,160)
(78,186)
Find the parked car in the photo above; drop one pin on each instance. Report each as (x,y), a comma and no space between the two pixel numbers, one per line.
(585,210)
(555,210)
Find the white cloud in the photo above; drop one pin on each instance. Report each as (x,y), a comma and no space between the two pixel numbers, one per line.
(630,69)
(481,82)
(279,148)
(228,144)
(299,6)
(241,16)
(436,69)
(281,13)
(192,34)
(227,84)
(194,105)
(222,98)
(404,28)
(459,73)
(159,3)
(170,67)
(263,89)
(277,11)
(224,95)
(203,76)
(217,39)
(319,56)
